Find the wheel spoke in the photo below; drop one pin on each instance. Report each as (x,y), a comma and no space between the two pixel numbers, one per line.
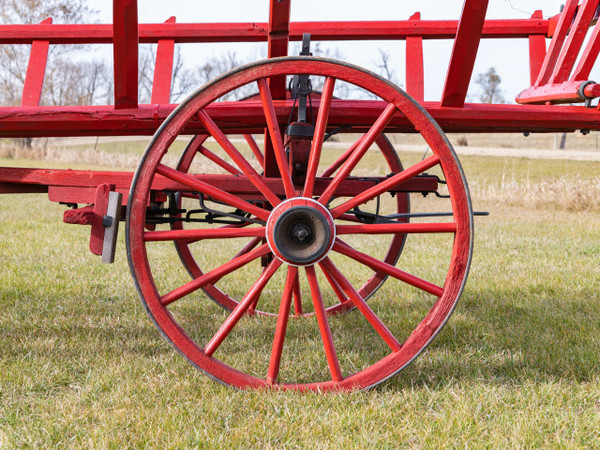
(375,264)
(211,191)
(254,147)
(190,235)
(341,160)
(349,218)
(361,149)
(190,151)
(218,160)
(332,360)
(297,296)
(328,266)
(386,185)
(214,275)
(237,157)
(335,286)
(273,126)
(396,228)
(249,246)
(241,308)
(282,321)
(317,143)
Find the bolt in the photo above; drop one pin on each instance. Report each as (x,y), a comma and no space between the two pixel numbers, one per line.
(301,233)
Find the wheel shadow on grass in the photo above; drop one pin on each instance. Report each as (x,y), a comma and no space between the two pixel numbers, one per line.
(512,336)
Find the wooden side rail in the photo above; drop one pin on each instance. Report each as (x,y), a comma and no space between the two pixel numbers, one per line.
(244,118)
(125,34)
(79,186)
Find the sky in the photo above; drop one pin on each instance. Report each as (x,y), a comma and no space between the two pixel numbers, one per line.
(508,57)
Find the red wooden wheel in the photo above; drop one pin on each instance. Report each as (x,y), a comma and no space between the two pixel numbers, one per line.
(310,229)
(196,149)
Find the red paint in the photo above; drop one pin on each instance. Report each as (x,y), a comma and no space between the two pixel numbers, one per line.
(464,52)
(415,77)
(79,216)
(125,51)
(537,51)
(163,70)
(282,320)
(361,148)
(558,38)
(574,41)
(36,70)
(317,143)
(205,355)
(258,32)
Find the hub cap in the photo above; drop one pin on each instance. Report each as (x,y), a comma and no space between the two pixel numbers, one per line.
(300,231)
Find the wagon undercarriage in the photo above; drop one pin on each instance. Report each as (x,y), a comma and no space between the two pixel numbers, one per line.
(270,202)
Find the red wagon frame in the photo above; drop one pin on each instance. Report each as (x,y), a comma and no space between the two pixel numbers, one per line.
(288,208)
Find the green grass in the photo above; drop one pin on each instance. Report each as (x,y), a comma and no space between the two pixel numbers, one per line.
(517,365)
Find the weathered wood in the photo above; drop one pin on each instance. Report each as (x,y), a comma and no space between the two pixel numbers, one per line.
(461,64)
(163,70)
(415,83)
(80,186)
(36,70)
(258,32)
(248,117)
(125,49)
(537,51)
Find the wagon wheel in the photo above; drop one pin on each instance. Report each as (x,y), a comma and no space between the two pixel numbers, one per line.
(196,149)
(309,235)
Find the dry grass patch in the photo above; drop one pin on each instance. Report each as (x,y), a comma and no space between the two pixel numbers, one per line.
(572,193)
(517,365)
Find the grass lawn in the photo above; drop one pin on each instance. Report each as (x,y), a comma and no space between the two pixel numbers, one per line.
(81,364)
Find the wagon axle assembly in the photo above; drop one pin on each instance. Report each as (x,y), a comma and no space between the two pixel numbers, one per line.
(292,225)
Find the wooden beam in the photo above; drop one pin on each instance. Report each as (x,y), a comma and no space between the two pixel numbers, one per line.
(163,70)
(577,34)
(415,85)
(558,38)
(125,47)
(36,71)
(466,44)
(537,51)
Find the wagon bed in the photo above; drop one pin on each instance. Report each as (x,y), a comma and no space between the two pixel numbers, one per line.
(296,213)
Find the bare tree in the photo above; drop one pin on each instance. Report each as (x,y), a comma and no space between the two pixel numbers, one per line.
(70,78)
(489,84)
(384,66)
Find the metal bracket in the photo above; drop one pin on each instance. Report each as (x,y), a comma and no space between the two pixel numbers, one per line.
(301,86)
(111,224)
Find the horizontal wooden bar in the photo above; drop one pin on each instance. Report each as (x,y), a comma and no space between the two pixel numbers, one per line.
(79,186)
(248,117)
(257,32)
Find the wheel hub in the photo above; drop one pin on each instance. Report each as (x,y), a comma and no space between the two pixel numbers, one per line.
(300,231)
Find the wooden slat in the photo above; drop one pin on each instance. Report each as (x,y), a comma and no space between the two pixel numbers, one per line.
(125,48)
(415,85)
(464,53)
(537,51)
(151,33)
(277,42)
(588,57)
(572,46)
(163,70)
(36,71)
(556,44)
